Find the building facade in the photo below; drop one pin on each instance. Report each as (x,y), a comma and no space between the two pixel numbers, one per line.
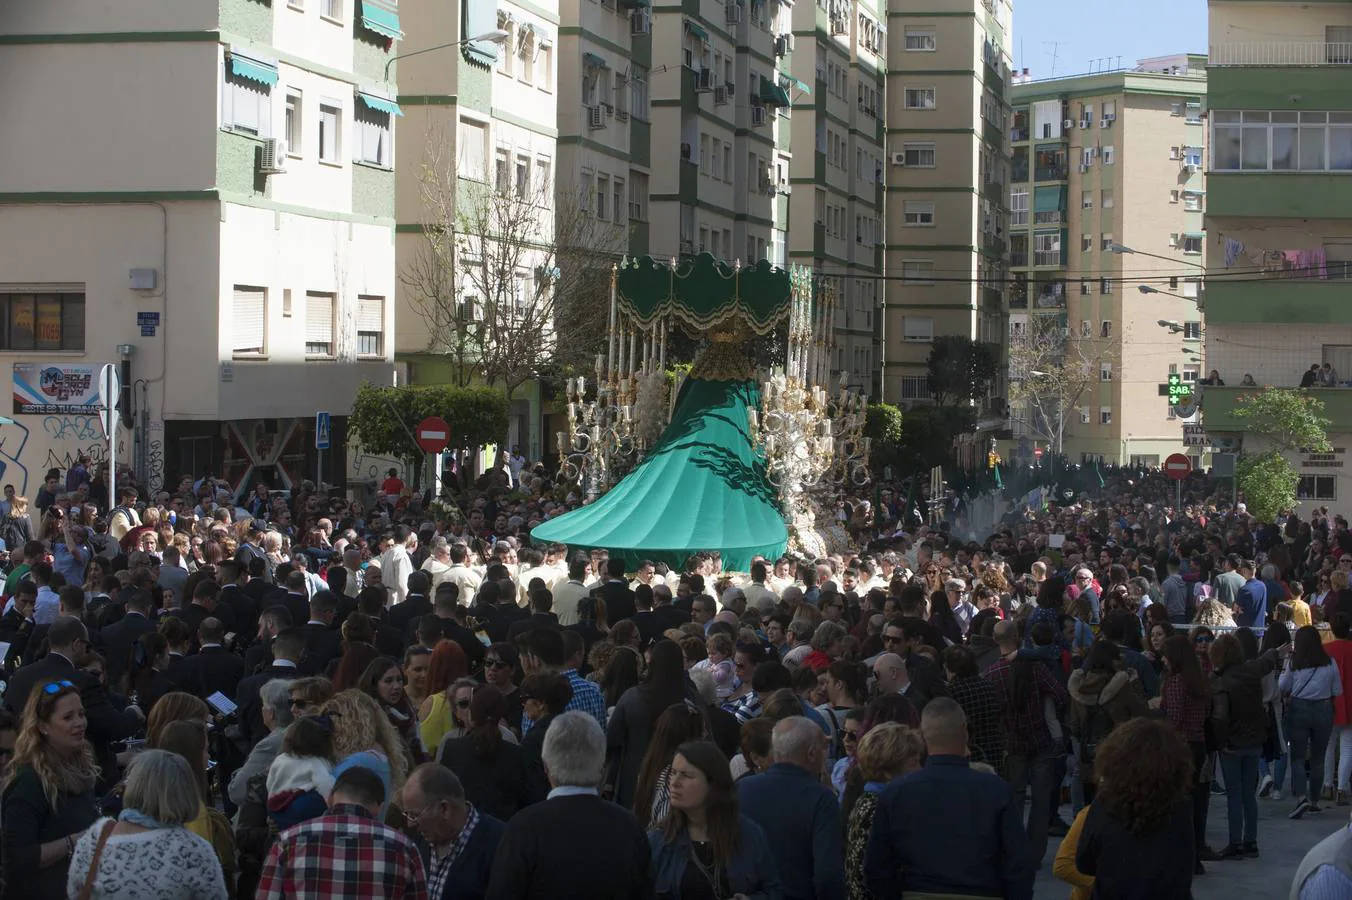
(213,204)
(1107,196)
(837,170)
(947,174)
(1279,231)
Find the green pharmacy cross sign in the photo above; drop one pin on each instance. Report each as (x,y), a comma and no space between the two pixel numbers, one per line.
(1180,392)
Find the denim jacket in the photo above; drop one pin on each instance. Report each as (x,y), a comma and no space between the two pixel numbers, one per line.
(752,870)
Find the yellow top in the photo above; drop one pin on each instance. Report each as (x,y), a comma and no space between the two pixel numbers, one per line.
(1063,867)
(438,722)
(1300,613)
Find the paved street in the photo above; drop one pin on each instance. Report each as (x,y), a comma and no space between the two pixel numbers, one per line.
(1281,842)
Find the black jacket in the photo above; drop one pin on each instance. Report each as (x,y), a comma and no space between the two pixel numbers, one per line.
(250,711)
(322,645)
(16,631)
(209,670)
(403,615)
(619,600)
(298,605)
(530,623)
(573,848)
(473,866)
(1238,717)
(495,783)
(30,822)
(1158,864)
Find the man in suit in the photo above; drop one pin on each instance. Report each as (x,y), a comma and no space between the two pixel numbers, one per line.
(243,610)
(257,588)
(271,623)
(323,643)
(449,820)
(297,599)
(541,602)
(415,605)
(68,639)
(618,597)
(16,625)
(212,668)
(449,617)
(287,649)
(389,640)
(202,607)
(666,615)
(927,824)
(586,833)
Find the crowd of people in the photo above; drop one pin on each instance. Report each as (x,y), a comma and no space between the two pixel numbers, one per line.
(292,695)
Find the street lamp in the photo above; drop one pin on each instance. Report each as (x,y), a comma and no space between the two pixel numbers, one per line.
(1122,248)
(1147,289)
(496,36)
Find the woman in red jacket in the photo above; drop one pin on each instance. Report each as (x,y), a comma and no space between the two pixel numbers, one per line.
(1340,651)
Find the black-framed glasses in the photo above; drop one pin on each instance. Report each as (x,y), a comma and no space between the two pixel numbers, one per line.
(56,687)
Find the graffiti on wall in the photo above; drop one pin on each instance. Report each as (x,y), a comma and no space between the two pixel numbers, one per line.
(13,439)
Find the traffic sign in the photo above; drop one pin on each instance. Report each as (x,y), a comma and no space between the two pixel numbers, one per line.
(323,430)
(433,434)
(110,389)
(1177,466)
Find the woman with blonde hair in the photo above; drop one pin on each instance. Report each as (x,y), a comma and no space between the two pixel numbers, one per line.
(364,737)
(48,797)
(176,706)
(188,738)
(19,518)
(886,752)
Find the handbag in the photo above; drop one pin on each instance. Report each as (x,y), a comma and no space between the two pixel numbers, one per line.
(87,891)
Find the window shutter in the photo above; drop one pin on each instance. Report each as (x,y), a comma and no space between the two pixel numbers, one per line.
(319,319)
(250,320)
(371,314)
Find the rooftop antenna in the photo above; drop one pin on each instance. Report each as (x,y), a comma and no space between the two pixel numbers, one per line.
(1056,45)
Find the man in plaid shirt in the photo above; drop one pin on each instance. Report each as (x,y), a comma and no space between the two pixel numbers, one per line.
(345,854)
(544,650)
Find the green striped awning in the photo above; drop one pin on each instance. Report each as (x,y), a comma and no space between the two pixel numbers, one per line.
(1047,199)
(1194,234)
(380,104)
(788,81)
(253,69)
(382,18)
(697,31)
(596,62)
(772,93)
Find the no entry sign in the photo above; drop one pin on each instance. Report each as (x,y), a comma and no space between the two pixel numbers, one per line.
(1177,466)
(433,434)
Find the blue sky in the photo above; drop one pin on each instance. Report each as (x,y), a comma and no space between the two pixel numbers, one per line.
(1091,30)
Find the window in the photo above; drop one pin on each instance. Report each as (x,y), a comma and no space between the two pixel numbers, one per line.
(43,321)
(1047,249)
(918,271)
(1190,287)
(249,321)
(1106,328)
(374,136)
(1105,371)
(915,387)
(602,196)
(1192,156)
(1018,207)
(1281,141)
(1192,243)
(1192,331)
(330,141)
(1105,415)
(1086,199)
(318,324)
(1174,196)
(502,172)
(918,213)
(246,105)
(1106,243)
(920,39)
(638,92)
(617,200)
(1192,112)
(1086,329)
(545,67)
(295,127)
(1086,243)
(1176,108)
(1084,287)
(525,54)
(1084,415)
(522,185)
(1105,286)
(473,150)
(331,9)
(920,156)
(1108,155)
(638,196)
(1191,373)
(1192,201)
(370,326)
(918,98)
(917,328)
(1317,487)
(1108,199)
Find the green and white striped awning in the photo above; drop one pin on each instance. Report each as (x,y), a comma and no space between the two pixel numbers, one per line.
(259,70)
(380,104)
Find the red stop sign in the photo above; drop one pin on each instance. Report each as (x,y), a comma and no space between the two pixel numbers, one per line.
(433,434)
(1177,466)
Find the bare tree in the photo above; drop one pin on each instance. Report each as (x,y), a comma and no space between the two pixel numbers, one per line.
(513,276)
(1049,372)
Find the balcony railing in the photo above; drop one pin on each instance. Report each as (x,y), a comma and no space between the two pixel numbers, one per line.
(1280,53)
(1018,258)
(1050,217)
(1050,301)
(1047,257)
(1051,173)
(1018,134)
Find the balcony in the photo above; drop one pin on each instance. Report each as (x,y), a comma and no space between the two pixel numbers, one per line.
(1047,258)
(1018,135)
(1050,217)
(1219,403)
(1271,299)
(1265,194)
(1050,301)
(1052,173)
(1018,300)
(1280,53)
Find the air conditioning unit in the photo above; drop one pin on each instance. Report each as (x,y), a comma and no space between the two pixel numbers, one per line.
(686,151)
(1190,169)
(781,45)
(784,188)
(898,159)
(596,117)
(1108,120)
(1068,124)
(1085,123)
(757,115)
(721,95)
(640,22)
(733,13)
(272,157)
(705,81)
(622,115)
(609,108)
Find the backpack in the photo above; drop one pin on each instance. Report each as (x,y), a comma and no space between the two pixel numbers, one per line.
(1098,724)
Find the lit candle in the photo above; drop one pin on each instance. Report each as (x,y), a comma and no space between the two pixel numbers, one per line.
(561,440)
(752,419)
(600,366)
(572,413)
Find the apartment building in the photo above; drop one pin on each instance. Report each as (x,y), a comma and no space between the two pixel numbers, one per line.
(201,191)
(836,208)
(1106,200)
(1279,219)
(947,177)
(478,153)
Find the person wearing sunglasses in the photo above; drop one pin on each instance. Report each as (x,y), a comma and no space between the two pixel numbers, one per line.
(49,792)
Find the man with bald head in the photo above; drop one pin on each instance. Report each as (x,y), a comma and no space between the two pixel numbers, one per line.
(890,676)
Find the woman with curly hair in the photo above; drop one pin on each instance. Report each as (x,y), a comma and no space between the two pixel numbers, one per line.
(885,753)
(363,737)
(1136,838)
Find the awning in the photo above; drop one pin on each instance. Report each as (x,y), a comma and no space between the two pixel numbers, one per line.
(381,18)
(1047,199)
(1194,234)
(596,62)
(772,93)
(696,30)
(380,104)
(788,81)
(635,4)
(253,69)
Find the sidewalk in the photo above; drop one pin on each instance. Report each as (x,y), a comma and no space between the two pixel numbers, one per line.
(1281,843)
